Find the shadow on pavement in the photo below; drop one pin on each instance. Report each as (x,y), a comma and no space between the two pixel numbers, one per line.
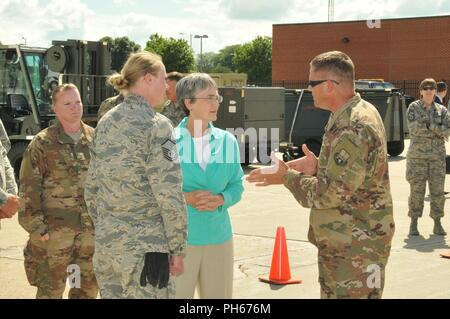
(396,158)
(419,243)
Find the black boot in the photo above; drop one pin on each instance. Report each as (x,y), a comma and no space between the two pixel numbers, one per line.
(438,229)
(413,231)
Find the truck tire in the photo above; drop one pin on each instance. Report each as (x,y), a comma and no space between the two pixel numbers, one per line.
(447,164)
(248,157)
(395,148)
(268,151)
(15,156)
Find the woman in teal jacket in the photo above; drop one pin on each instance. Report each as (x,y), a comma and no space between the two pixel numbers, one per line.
(212,182)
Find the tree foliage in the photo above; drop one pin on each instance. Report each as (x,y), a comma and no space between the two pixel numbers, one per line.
(120,50)
(255,59)
(177,55)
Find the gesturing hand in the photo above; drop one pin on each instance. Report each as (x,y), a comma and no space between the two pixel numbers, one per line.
(306,164)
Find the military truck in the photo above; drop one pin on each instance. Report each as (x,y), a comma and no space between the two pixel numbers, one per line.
(28,75)
(306,123)
(255,115)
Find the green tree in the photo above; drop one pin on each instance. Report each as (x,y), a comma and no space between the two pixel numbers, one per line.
(177,55)
(255,59)
(224,59)
(120,50)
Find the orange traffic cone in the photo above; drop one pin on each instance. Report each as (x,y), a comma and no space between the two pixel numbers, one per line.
(280,272)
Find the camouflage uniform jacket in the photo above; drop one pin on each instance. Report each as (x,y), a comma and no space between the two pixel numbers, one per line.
(52,179)
(4,137)
(134,188)
(428,129)
(7,180)
(108,104)
(173,112)
(350,194)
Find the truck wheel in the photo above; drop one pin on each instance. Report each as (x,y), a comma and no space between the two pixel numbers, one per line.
(248,157)
(395,148)
(265,158)
(15,156)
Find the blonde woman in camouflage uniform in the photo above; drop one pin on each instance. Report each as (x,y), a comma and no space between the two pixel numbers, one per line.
(52,177)
(133,189)
(429,127)
(347,187)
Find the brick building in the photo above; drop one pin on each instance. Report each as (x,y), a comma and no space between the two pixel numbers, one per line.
(401,50)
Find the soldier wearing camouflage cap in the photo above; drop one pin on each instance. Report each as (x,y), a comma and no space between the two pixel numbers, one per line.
(134,190)
(429,127)
(347,187)
(174,112)
(52,179)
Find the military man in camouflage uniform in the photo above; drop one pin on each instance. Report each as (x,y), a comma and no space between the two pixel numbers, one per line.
(172,110)
(108,104)
(133,189)
(347,187)
(9,202)
(429,126)
(52,179)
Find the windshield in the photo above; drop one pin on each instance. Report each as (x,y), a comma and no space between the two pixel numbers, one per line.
(42,81)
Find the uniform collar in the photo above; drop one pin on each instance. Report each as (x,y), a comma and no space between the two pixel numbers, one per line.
(64,138)
(335,116)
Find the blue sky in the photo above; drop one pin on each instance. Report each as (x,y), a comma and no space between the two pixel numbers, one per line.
(226,22)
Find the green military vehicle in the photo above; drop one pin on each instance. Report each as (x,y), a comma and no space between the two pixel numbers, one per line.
(306,123)
(255,115)
(28,75)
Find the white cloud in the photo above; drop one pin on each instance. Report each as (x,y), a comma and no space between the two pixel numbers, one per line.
(256,9)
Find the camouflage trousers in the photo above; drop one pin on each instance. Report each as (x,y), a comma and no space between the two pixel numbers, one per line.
(47,264)
(351,277)
(418,172)
(348,267)
(118,276)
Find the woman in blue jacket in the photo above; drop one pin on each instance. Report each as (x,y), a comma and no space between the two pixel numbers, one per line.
(212,182)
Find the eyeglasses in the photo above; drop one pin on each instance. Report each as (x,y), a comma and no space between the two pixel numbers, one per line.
(426,88)
(312,84)
(215,98)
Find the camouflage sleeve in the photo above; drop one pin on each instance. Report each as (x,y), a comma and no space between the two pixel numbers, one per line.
(346,171)
(418,122)
(90,187)
(4,137)
(11,185)
(164,175)
(31,214)
(440,124)
(233,192)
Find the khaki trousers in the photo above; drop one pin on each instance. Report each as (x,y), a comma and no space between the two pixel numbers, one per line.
(208,268)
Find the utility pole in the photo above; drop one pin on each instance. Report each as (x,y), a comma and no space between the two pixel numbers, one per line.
(330,10)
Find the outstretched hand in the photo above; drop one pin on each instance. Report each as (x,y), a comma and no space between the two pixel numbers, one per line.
(272,175)
(306,164)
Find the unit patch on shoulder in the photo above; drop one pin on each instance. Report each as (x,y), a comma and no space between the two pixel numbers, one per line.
(341,158)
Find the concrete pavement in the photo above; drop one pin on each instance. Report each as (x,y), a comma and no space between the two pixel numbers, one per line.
(415,269)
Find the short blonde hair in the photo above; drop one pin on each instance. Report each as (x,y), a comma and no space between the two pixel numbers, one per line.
(60,88)
(137,65)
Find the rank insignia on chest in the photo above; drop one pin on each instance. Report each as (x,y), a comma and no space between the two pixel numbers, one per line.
(341,157)
(169,150)
(81,156)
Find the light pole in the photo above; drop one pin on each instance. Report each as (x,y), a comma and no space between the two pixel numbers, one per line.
(190,38)
(201,37)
